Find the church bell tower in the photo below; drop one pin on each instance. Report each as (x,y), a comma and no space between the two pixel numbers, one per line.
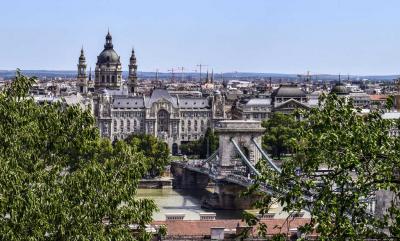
(81,77)
(132,78)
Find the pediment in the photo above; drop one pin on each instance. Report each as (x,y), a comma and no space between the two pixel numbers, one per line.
(292,104)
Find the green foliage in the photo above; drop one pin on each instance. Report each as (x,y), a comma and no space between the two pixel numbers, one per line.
(280,128)
(154,149)
(360,158)
(203,147)
(59,180)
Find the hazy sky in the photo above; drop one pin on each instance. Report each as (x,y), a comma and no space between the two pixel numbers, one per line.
(277,36)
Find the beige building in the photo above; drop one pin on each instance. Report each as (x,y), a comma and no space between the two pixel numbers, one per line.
(120,111)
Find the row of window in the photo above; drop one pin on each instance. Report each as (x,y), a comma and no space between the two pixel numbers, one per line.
(190,137)
(195,114)
(128,114)
(141,114)
(196,125)
(256,116)
(260,108)
(109,78)
(127,125)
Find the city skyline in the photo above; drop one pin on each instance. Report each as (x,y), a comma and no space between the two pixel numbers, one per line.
(335,36)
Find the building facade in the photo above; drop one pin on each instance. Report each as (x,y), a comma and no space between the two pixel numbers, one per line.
(120,111)
(285,99)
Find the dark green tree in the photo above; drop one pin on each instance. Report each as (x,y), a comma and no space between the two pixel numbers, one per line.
(209,143)
(359,158)
(154,149)
(202,147)
(280,128)
(59,180)
(190,148)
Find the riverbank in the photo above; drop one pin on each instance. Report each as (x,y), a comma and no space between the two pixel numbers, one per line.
(188,202)
(156,183)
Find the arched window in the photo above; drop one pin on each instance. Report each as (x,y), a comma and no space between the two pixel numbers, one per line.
(195,125)
(121,125)
(128,125)
(163,120)
(115,125)
(189,127)
(108,79)
(102,78)
(113,79)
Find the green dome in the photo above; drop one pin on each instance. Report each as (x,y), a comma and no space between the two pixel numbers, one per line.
(340,89)
(108,56)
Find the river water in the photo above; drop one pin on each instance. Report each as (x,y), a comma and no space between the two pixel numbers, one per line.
(188,202)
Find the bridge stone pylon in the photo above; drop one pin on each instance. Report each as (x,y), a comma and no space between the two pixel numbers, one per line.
(242,133)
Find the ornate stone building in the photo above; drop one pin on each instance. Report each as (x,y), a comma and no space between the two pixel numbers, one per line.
(284,99)
(120,111)
(108,72)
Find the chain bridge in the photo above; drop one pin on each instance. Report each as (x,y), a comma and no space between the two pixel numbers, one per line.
(231,167)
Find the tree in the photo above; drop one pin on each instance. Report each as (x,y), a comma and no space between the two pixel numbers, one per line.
(279,130)
(59,180)
(359,158)
(203,147)
(209,143)
(190,148)
(156,150)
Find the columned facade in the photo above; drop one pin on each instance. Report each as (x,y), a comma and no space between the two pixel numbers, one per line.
(108,72)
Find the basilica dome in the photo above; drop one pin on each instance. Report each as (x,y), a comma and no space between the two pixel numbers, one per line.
(108,55)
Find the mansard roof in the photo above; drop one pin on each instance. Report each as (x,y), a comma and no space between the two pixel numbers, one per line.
(194,103)
(128,102)
(258,102)
(156,95)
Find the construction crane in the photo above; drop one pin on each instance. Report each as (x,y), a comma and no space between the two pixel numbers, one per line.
(172,74)
(201,66)
(306,77)
(182,69)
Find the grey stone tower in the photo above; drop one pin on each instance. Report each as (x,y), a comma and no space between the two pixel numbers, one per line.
(132,78)
(82,78)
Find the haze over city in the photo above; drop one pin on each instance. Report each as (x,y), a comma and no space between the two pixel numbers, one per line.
(324,37)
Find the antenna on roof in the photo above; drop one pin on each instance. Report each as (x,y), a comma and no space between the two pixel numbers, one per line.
(156,74)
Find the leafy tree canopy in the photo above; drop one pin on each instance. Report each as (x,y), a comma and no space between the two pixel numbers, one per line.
(203,147)
(359,158)
(59,180)
(156,150)
(280,128)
